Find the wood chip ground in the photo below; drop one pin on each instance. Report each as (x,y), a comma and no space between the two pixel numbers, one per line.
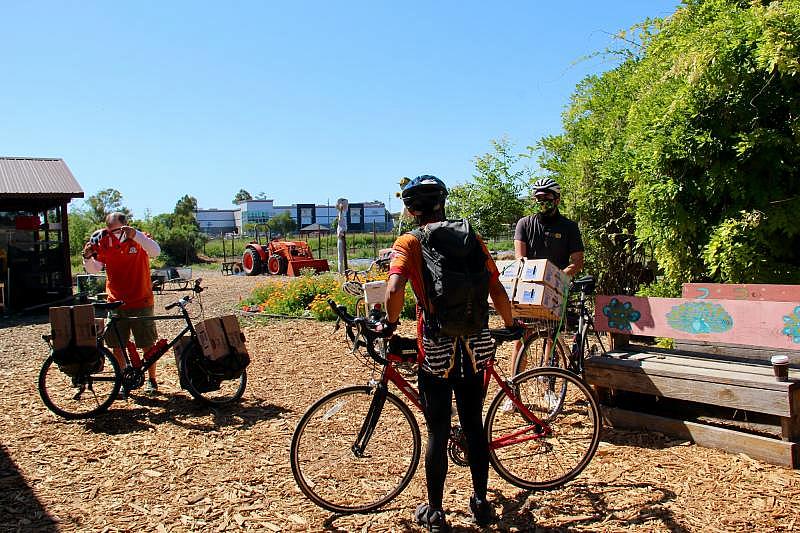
(166,464)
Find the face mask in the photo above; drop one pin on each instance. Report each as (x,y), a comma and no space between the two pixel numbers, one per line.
(546,207)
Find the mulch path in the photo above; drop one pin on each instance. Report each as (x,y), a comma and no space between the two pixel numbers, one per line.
(166,464)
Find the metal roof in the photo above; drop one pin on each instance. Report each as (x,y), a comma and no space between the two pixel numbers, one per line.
(37,177)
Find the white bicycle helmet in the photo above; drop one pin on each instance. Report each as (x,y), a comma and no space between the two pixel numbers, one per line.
(547,185)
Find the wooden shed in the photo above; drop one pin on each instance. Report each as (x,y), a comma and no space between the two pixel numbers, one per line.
(34,238)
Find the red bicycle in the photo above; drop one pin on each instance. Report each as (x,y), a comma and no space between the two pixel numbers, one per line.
(357,448)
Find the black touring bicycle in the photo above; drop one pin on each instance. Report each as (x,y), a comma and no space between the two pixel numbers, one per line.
(77,382)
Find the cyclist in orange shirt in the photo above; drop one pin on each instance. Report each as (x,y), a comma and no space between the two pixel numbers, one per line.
(448,365)
(125,254)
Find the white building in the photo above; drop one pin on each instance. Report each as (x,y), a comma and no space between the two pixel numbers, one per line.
(217,221)
(360,216)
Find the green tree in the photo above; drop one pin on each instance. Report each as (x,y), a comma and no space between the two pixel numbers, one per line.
(241,196)
(687,151)
(492,200)
(282,223)
(186,209)
(105,202)
(178,233)
(81,226)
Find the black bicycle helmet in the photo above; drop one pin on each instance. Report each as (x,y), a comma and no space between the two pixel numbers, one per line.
(424,194)
(547,185)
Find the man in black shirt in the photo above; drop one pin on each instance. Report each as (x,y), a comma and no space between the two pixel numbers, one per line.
(548,234)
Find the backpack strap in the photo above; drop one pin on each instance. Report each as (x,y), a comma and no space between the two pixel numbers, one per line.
(422,235)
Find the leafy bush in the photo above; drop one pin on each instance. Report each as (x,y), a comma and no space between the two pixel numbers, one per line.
(307,295)
(683,160)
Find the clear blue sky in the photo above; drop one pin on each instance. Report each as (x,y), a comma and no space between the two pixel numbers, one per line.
(305,101)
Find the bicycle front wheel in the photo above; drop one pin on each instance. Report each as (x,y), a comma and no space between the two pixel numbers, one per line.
(83,395)
(339,469)
(538,350)
(206,387)
(548,452)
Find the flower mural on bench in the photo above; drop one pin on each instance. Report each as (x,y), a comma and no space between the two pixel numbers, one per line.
(620,314)
(791,325)
(699,317)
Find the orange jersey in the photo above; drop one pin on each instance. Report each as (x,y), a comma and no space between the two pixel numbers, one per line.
(407,262)
(127,272)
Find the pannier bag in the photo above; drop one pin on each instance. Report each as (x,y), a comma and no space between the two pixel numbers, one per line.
(223,346)
(229,366)
(77,361)
(456,278)
(201,379)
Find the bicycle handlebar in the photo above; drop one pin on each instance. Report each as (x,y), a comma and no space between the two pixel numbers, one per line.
(367,328)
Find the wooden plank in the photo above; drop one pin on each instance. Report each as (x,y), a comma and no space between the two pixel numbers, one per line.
(763,448)
(723,321)
(760,375)
(790,426)
(735,351)
(732,291)
(634,379)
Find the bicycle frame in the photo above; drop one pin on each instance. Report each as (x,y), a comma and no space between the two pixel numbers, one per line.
(536,430)
(580,340)
(147,363)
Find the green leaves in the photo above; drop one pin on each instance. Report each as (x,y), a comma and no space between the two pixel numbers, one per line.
(492,200)
(690,147)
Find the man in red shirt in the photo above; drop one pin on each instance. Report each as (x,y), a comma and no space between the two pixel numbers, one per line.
(125,254)
(449,365)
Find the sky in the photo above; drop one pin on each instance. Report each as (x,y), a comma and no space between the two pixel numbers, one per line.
(304,101)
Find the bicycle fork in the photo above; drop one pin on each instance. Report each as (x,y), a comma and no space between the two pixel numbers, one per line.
(371,420)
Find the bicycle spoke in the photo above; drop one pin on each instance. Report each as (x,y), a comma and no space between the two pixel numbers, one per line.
(571,421)
(323,461)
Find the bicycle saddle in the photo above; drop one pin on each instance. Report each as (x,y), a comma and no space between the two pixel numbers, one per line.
(585,284)
(107,306)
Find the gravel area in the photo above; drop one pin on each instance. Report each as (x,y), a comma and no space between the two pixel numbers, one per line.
(164,463)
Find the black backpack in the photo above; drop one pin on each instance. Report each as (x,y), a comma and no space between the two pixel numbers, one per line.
(456,278)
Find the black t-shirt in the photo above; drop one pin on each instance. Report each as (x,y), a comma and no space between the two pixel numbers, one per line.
(555,238)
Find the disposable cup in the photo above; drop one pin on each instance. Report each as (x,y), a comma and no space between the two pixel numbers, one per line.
(780,366)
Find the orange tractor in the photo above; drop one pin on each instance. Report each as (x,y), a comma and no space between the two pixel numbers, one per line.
(280,257)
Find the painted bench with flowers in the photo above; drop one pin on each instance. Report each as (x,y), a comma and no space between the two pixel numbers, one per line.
(716,384)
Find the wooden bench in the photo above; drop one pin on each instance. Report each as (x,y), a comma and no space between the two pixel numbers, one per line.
(719,384)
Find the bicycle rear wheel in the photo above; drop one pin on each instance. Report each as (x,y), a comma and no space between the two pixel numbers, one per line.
(80,396)
(326,460)
(573,420)
(538,351)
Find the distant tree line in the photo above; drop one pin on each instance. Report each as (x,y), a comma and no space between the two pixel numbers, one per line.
(178,233)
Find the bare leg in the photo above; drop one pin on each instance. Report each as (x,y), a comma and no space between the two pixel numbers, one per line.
(120,357)
(151,371)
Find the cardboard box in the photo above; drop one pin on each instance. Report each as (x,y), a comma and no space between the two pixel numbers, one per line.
(536,300)
(70,324)
(509,286)
(220,336)
(543,271)
(233,334)
(85,330)
(61,326)
(375,293)
(509,268)
(211,336)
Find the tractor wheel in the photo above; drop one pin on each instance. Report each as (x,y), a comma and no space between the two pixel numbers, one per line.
(276,265)
(251,262)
